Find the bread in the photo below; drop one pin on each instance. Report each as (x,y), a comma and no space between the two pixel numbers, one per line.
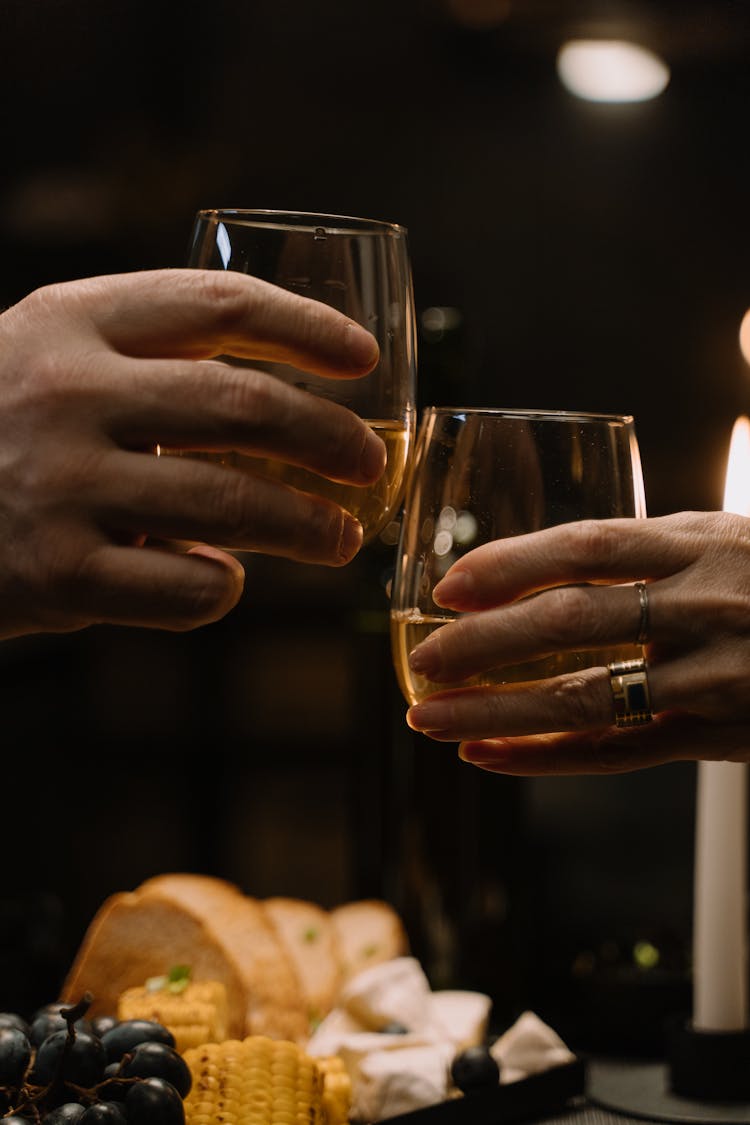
(306,932)
(133,937)
(274,1000)
(282,960)
(367,932)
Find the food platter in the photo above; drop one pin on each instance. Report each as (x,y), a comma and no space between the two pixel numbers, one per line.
(547,1092)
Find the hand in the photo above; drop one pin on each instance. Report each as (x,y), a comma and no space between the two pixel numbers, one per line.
(697,569)
(95,373)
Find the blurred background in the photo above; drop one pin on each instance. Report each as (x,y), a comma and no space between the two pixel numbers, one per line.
(567,254)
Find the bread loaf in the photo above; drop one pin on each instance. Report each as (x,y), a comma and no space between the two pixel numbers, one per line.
(282,960)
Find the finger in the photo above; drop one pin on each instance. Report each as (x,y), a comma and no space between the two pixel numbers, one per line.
(206,405)
(573,702)
(154,588)
(616,550)
(567,618)
(201,313)
(669,738)
(186,499)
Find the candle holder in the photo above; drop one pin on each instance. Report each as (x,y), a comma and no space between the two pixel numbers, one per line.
(704,1079)
(710,1065)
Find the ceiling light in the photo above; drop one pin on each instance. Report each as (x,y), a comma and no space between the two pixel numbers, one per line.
(611,70)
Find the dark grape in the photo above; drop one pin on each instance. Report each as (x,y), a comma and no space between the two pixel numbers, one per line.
(112,1091)
(53,1008)
(12,1019)
(129,1033)
(45,1024)
(16,1119)
(102,1024)
(66,1114)
(15,1055)
(158,1060)
(154,1101)
(104,1113)
(80,1060)
(474,1068)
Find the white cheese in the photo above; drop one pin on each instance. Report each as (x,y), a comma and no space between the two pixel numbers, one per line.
(390,1082)
(393,990)
(462,1017)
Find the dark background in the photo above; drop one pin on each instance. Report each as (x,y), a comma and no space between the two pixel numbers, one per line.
(597,259)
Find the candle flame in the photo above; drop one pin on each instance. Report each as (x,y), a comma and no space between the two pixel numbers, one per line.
(737,486)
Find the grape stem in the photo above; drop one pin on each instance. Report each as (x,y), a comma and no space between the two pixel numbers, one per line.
(70,1015)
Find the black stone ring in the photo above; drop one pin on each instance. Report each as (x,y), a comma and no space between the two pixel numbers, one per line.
(629,682)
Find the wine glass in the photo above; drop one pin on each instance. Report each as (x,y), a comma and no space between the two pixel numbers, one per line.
(480,475)
(362,268)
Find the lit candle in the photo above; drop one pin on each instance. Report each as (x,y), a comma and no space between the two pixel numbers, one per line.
(719,906)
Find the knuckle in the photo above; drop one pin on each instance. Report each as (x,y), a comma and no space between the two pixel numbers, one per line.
(592,541)
(234,502)
(252,394)
(568,613)
(248,398)
(573,699)
(228,294)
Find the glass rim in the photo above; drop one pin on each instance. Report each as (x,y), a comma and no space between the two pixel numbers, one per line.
(269,217)
(532,414)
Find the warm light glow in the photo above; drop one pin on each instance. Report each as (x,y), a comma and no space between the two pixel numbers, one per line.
(745,336)
(611,70)
(737,487)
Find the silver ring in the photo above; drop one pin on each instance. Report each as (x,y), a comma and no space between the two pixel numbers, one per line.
(642,637)
(632,699)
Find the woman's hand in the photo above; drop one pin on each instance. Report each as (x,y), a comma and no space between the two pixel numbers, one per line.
(696,567)
(94,374)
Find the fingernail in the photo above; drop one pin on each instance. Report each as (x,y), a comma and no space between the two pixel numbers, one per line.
(374,456)
(362,346)
(424,661)
(351,537)
(426,716)
(453,590)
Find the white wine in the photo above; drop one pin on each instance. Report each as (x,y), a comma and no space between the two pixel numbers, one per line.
(409,627)
(373,505)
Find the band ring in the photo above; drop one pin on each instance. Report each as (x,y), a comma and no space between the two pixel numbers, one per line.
(642,637)
(629,682)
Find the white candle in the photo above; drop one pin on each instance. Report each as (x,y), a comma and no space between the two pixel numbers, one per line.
(719,906)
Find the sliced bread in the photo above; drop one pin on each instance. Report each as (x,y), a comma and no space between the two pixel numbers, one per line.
(367,931)
(306,932)
(133,937)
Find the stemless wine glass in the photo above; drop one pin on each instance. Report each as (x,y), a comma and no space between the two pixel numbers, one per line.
(480,475)
(362,268)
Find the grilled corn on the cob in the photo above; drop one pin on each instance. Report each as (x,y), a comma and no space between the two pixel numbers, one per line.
(195,1014)
(263,1081)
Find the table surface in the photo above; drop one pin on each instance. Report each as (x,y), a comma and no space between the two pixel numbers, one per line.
(634,1092)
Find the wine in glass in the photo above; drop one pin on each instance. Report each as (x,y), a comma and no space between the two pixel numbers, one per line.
(362,268)
(480,475)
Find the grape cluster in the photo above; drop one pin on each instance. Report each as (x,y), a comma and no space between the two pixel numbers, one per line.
(60,1068)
